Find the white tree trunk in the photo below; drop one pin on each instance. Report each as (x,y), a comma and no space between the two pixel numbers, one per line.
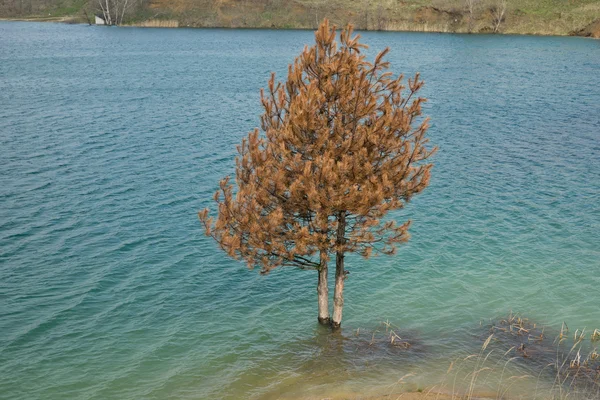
(499,12)
(323,291)
(113,11)
(340,274)
(108,15)
(123,12)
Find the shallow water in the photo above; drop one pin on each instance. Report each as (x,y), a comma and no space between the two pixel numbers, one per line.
(112,139)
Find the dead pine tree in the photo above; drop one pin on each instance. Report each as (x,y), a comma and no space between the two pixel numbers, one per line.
(342,143)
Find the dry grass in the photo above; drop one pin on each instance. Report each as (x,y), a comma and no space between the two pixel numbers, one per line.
(562,366)
(571,358)
(406,26)
(517,359)
(157,23)
(541,17)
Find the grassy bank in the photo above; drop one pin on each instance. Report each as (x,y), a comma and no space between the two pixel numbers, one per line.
(538,17)
(542,17)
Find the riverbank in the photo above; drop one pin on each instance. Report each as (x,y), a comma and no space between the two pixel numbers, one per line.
(591,30)
(40,19)
(525,17)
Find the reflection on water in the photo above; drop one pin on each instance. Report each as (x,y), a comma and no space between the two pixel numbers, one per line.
(510,357)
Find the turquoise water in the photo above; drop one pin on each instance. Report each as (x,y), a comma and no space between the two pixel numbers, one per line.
(112,139)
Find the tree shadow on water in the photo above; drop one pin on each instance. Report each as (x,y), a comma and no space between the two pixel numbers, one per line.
(365,348)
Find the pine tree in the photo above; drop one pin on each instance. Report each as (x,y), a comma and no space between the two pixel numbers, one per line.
(342,143)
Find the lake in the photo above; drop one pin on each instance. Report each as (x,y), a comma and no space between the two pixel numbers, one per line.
(113,138)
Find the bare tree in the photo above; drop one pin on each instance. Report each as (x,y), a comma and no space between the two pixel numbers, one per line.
(87,17)
(471,8)
(498,14)
(113,11)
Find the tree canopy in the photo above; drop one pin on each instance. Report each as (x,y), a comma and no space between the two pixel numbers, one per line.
(342,142)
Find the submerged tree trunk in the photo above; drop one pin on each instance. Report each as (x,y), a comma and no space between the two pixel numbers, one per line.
(338,294)
(340,274)
(323,291)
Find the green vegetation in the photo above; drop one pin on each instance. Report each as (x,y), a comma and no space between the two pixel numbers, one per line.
(541,17)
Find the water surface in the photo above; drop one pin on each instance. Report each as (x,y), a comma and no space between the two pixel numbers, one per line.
(112,139)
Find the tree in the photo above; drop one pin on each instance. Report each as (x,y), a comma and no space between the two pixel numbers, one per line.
(498,11)
(471,8)
(342,144)
(113,11)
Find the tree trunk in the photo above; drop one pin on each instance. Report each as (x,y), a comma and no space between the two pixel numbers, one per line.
(340,274)
(323,291)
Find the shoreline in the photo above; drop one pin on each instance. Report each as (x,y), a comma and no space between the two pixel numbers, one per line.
(413,395)
(173,24)
(40,19)
(423,395)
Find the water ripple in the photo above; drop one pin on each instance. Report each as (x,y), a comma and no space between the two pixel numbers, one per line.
(113,138)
